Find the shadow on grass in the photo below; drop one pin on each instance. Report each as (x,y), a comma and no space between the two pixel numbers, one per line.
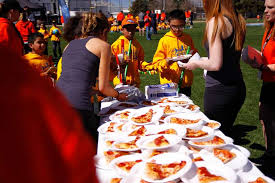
(240,132)
(257,146)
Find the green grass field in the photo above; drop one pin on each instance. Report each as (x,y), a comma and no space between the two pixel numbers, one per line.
(248,132)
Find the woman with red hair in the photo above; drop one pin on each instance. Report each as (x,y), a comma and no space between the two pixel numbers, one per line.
(224,86)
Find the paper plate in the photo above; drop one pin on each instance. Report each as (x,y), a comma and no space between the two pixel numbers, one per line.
(212,124)
(192,108)
(169,109)
(103,129)
(117,115)
(157,113)
(237,163)
(160,129)
(227,140)
(168,158)
(209,131)
(147,103)
(116,107)
(215,169)
(182,57)
(143,142)
(100,162)
(187,116)
(125,140)
(122,159)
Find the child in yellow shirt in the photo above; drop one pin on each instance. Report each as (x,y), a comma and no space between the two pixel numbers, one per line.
(36,58)
(55,34)
(46,35)
(132,51)
(172,44)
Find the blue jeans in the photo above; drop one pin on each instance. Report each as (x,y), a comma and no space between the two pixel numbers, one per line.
(148,32)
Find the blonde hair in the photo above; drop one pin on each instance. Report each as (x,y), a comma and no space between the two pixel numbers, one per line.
(220,8)
(268,26)
(93,24)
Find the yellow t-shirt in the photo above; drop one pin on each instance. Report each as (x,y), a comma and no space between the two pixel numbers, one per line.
(170,46)
(56,36)
(40,63)
(137,58)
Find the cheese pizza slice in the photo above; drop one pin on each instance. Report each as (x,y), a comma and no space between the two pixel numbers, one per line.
(127,165)
(205,176)
(191,133)
(212,124)
(156,152)
(224,155)
(158,142)
(168,131)
(145,118)
(110,155)
(168,110)
(215,141)
(192,107)
(115,180)
(111,127)
(183,121)
(259,180)
(139,132)
(161,171)
(127,145)
(123,115)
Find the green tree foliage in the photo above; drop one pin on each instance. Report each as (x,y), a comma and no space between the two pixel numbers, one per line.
(250,8)
(138,6)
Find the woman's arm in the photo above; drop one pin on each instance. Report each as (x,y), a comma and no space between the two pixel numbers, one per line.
(214,63)
(103,51)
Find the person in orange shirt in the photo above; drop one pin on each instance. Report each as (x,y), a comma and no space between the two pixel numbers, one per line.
(25,27)
(120,18)
(41,136)
(10,37)
(162,16)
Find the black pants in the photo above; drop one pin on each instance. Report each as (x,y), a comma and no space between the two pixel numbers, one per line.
(90,123)
(186,91)
(222,103)
(56,45)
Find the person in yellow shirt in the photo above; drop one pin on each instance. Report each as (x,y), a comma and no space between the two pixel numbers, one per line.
(133,54)
(55,34)
(111,19)
(172,44)
(36,58)
(46,35)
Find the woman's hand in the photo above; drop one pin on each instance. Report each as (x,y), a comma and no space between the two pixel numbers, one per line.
(191,65)
(122,96)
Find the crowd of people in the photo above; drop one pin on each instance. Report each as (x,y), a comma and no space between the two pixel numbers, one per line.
(64,122)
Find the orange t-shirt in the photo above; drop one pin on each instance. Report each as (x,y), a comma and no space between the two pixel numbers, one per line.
(269,57)
(25,28)
(120,17)
(9,38)
(42,138)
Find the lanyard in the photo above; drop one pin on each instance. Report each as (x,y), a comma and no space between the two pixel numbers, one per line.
(129,51)
(268,36)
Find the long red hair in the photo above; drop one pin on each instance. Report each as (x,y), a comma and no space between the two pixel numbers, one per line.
(220,8)
(269,26)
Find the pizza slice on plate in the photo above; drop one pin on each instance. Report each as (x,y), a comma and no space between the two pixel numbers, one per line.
(111,127)
(144,118)
(224,155)
(192,107)
(110,155)
(123,115)
(156,152)
(156,171)
(158,142)
(197,159)
(215,141)
(115,180)
(205,176)
(119,128)
(127,165)
(168,131)
(139,132)
(109,143)
(149,103)
(191,133)
(163,100)
(127,145)
(212,124)
(183,121)
(168,110)
(259,180)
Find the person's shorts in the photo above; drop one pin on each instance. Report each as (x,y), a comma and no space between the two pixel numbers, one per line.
(119,22)
(141,24)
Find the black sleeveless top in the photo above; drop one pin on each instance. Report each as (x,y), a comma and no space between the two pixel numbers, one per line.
(79,73)
(230,72)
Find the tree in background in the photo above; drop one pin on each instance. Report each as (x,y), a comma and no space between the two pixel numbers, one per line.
(138,6)
(250,8)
